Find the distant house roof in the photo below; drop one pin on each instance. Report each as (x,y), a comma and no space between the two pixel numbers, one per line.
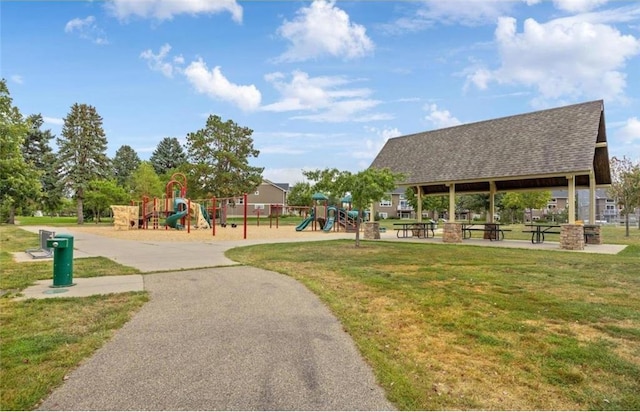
(535,150)
(282,186)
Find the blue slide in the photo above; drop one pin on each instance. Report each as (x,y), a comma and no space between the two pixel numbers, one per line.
(331,211)
(302,226)
(174,219)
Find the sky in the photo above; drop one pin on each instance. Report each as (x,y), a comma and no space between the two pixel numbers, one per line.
(322,84)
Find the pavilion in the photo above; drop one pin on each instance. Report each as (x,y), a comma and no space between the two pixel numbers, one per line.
(559,148)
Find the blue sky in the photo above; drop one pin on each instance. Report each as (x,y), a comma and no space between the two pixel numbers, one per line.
(323,84)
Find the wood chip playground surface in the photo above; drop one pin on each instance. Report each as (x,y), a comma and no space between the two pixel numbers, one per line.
(199,235)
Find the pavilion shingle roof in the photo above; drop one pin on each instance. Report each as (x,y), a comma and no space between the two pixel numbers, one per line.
(532,150)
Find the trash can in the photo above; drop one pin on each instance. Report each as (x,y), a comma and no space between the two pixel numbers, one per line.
(62,246)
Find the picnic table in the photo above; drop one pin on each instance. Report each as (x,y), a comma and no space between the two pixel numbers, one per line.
(420,229)
(538,231)
(491,231)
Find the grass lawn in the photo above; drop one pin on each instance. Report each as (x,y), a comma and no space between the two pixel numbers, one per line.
(41,341)
(464,327)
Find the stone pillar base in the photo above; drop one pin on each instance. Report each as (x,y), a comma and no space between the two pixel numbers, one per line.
(572,237)
(452,232)
(371,230)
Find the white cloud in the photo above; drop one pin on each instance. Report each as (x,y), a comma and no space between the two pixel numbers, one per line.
(559,58)
(440,118)
(16,78)
(87,29)
(630,131)
(158,62)
(463,12)
(372,146)
(285,175)
(322,29)
(214,84)
(167,9)
(329,96)
(53,120)
(578,6)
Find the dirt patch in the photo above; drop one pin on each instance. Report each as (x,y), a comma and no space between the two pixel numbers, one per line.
(198,235)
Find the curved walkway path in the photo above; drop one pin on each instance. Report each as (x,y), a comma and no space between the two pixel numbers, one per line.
(224,338)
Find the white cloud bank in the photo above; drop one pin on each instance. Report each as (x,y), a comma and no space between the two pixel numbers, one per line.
(167,9)
(562,58)
(322,29)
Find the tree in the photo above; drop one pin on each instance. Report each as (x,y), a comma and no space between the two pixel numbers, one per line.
(300,195)
(513,203)
(168,155)
(535,200)
(82,154)
(145,182)
(37,152)
(100,194)
(625,186)
(125,162)
(478,203)
(328,181)
(435,204)
(368,186)
(219,156)
(19,180)
(517,202)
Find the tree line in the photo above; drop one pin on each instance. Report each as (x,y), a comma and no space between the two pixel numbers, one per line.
(80,175)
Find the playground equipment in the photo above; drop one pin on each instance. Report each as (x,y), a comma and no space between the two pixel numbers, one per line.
(177,209)
(327,216)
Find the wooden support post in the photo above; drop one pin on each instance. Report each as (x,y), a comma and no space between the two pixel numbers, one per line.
(572,199)
(419,199)
(592,199)
(492,201)
(452,202)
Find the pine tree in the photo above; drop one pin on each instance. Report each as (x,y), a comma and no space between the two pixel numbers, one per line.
(82,154)
(125,162)
(37,151)
(168,155)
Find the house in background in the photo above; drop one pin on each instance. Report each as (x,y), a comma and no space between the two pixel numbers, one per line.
(606,208)
(268,199)
(394,206)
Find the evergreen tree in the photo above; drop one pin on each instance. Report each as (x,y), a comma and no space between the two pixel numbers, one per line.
(125,162)
(37,152)
(82,153)
(18,179)
(36,143)
(168,155)
(219,156)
